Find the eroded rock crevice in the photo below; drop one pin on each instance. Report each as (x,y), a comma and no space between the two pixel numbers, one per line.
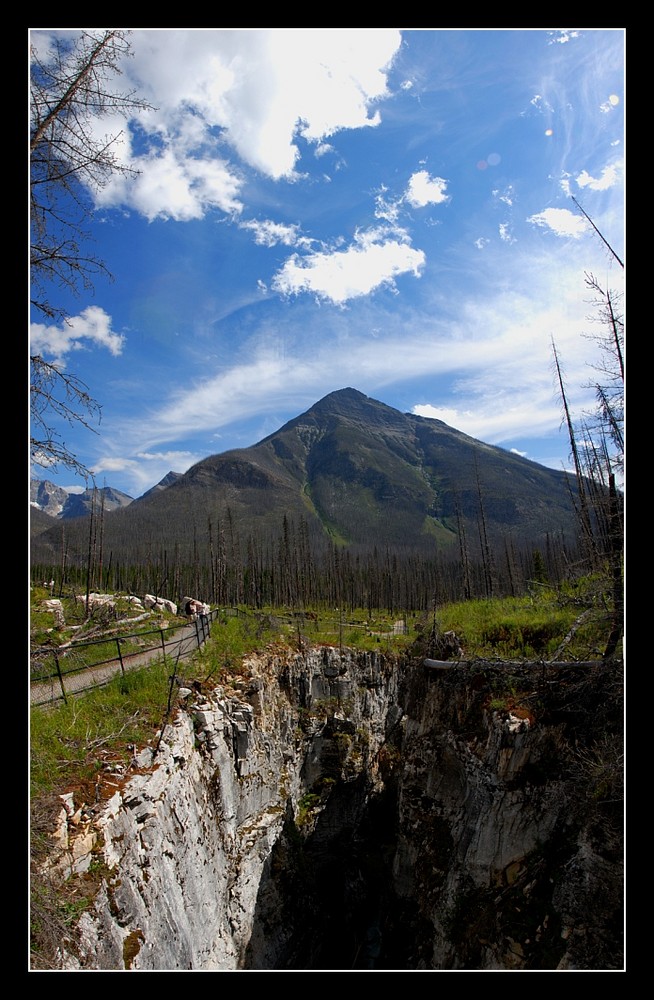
(342,810)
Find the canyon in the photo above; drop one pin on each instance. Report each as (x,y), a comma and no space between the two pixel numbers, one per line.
(331,809)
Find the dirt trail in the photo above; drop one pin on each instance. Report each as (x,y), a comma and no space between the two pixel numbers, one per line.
(182,643)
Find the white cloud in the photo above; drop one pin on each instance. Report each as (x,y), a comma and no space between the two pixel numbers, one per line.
(482,242)
(541,104)
(387,208)
(92,325)
(372,260)
(505,233)
(175,185)
(505,196)
(560,221)
(267,86)
(256,91)
(608,179)
(269,234)
(146,468)
(562,36)
(496,420)
(425,190)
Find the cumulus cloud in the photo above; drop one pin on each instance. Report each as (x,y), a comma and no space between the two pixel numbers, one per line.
(172,184)
(374,259)
(560,221)
(91,326)
(609,177)
(258,92)
(425,190)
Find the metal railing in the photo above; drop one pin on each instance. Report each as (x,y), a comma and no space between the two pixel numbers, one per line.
(57,672)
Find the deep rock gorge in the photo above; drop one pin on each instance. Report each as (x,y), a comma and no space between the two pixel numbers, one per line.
(344,810)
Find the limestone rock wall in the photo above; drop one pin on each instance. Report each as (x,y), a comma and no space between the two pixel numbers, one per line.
(187,839)
(350,811)
(509,850)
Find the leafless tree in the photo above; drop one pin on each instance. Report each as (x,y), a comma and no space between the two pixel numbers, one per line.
(72,89)
(53,392)
(599,459)
(609,367)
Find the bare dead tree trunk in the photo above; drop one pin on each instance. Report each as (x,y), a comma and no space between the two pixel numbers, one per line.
(616,570)
(584,513)
(463,549)
(604,241)
(487,557)
(89,561)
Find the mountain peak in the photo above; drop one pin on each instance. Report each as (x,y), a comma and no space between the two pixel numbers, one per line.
(358,472)
(350,402)
(340,397)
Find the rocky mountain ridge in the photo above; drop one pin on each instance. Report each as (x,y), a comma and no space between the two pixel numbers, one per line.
(355,472)
(57,502)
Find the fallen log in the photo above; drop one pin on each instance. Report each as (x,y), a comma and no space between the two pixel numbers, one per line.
(555,664)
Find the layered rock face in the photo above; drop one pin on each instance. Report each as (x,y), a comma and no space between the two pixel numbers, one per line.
(338,810)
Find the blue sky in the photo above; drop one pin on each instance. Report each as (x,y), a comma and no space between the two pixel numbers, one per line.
(386,209)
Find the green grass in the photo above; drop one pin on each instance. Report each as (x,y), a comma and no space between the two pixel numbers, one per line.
(128,709)
(72,745)
(508,628)
(531,627)
(70,742)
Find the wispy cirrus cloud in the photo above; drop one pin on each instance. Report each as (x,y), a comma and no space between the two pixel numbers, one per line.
(269,234)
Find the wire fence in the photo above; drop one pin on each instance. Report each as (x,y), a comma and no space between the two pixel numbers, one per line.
(57,673)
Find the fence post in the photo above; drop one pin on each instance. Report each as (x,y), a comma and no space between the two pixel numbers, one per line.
(61,679)
(120,656)
(163,642)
